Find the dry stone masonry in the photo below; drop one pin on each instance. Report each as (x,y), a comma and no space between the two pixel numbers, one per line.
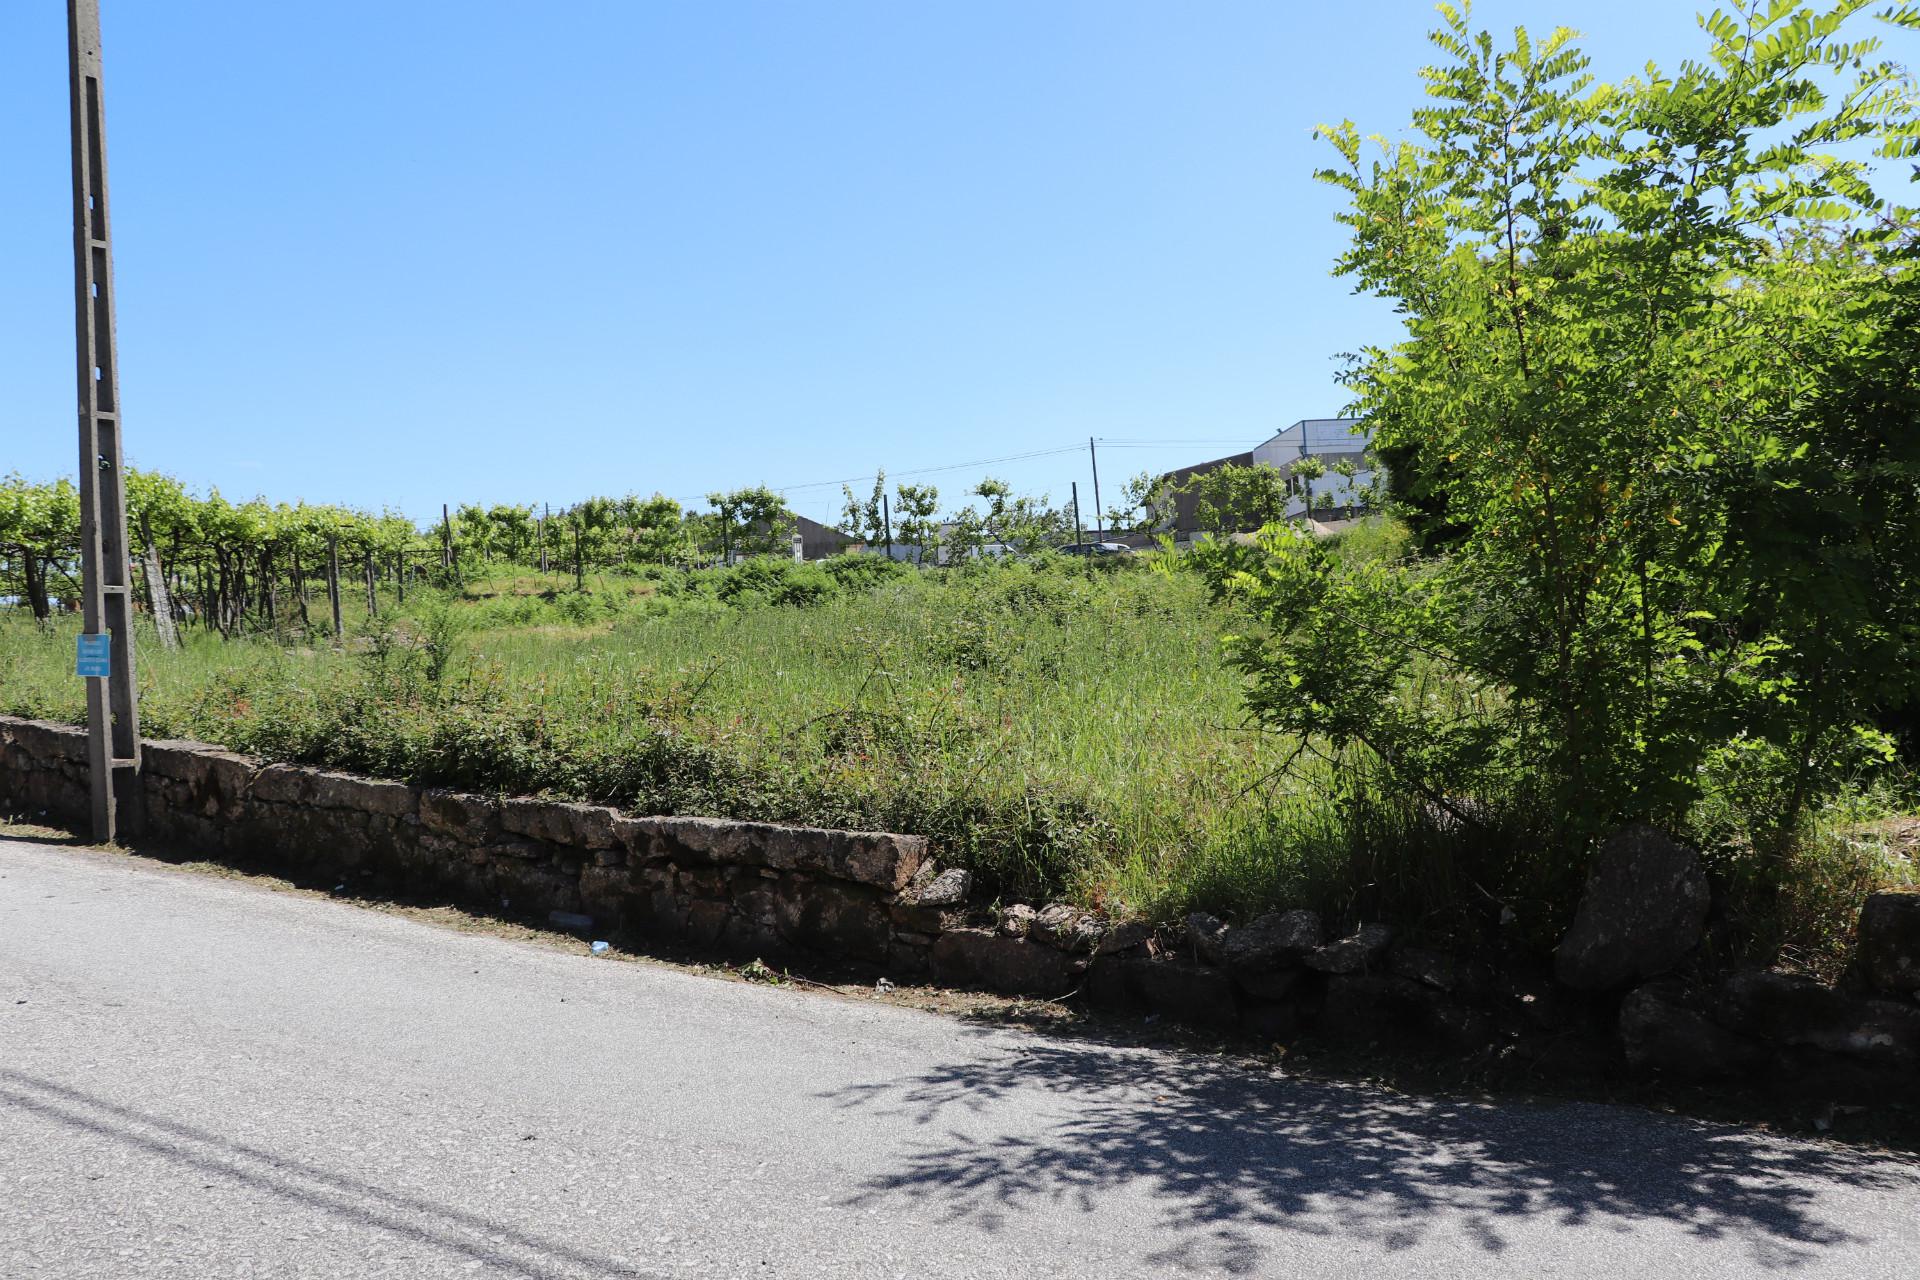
(1624,989)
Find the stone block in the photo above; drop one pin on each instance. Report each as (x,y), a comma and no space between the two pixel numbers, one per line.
(365,795)
(461,815)
(1124,937)
(832,919)
(1277,940)
(880,859)
(177,758)
(1184,991)
(1207,935)
(706,921)
(947,889)
(584,826)
(223,791)
(604,892)
(288,784)
(1269,984)
(1664,1029)
(1016,921)
(1359,952)
(1011,966)
(48,742)
(1382,1007)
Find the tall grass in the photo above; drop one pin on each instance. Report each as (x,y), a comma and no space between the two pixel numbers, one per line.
(1049,725)
(1064,729)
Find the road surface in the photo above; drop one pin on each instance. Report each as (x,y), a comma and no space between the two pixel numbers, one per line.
(203,1077)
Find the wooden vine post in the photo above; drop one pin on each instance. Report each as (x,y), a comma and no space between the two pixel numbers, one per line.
(333,583)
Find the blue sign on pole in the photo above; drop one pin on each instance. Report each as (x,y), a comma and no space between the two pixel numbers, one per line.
(93,656)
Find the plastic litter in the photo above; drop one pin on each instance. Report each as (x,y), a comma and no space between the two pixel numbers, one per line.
(883,986)
(599,948)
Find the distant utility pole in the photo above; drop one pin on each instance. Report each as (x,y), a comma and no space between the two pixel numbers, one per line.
(886,522)
(1098,529)
(1079,530)
(106,596)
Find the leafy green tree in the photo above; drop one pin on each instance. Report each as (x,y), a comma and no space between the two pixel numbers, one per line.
(1135,509)
(1636,314)
(752,522)
(1236,499)
(916,508)
(1021,521)
(654,528)
(864,519)
(40,534)
(1306,470)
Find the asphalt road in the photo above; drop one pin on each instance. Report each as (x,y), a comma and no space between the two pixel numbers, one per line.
(202,1077)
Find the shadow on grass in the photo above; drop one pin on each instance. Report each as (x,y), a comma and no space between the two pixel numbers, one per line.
(1233,1163)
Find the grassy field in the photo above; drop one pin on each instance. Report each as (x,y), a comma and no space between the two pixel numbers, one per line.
(1063,729)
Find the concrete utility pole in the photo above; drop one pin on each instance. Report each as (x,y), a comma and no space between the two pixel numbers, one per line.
(106,594)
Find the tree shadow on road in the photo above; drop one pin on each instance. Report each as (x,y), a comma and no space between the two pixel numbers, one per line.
(1230,1159)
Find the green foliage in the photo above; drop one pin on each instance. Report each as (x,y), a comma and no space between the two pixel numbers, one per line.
(1233,499)
(751,522)
(1656,382)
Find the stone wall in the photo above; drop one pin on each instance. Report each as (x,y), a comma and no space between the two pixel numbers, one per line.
(738,886)
(1625,990)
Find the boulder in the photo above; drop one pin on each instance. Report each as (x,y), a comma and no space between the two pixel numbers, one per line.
(1663,1029)
(1051,919)
(1887,954)
(1012,966)
(1789,1009)
(1017,920)
(1126,936)
(1359,952)
(1207,935)
(1277,940)
(1644,909)
(947,889)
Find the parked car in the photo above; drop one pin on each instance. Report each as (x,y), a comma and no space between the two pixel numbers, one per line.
(1096,549)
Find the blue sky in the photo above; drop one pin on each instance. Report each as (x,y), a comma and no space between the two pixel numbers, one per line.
(401,254)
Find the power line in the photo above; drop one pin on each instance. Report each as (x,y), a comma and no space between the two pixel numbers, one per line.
(917,471)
